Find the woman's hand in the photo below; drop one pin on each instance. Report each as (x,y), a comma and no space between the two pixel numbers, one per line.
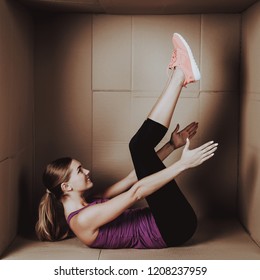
(178,138)
(195,157)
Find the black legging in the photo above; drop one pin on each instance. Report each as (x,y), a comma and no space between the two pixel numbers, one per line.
(173,214)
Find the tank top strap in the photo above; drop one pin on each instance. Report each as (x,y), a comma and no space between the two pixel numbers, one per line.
(92,202)
(74,213)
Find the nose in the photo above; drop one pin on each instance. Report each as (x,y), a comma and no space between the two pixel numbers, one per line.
(86,172)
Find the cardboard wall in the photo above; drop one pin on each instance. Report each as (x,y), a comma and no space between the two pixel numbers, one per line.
(249,167)
(63,97)
(98,76)
(16,120)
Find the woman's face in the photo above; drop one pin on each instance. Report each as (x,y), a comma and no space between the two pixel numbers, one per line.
(79,179)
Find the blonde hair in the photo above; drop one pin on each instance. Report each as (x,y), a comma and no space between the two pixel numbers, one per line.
(51,224)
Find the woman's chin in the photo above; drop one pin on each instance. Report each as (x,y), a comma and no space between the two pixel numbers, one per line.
(89,185)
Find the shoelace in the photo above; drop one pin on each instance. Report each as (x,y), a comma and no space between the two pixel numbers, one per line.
(173,59)
(172,62)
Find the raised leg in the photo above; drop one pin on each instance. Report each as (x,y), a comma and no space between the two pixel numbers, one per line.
(173,214)
(185,71)
(164,107)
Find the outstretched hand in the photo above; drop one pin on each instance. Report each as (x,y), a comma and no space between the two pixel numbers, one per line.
(178,138)
(195,157)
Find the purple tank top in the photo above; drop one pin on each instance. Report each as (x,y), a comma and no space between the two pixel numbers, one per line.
(134,228)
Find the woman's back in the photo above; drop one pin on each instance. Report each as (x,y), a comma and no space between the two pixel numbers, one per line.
(134,228)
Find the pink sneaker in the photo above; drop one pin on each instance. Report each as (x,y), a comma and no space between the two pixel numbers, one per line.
(183,57)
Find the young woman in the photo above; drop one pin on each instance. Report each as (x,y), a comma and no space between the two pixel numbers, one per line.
(110,222)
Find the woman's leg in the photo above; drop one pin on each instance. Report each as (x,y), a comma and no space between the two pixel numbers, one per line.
(172,212)
(163,109)
(185,71)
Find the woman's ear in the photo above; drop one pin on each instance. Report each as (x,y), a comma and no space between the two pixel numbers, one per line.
(66,187)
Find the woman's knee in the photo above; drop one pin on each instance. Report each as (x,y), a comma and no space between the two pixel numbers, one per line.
(136,145)
(183,232)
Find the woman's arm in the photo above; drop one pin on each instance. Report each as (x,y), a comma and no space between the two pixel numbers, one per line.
(121,186)
(189,159)
(98,215)
(127,182)
(177,140)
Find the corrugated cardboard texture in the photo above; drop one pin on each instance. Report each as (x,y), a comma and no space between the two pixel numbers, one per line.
(97,76)
(91,112)
(214,240)
(249,171)
(16,120)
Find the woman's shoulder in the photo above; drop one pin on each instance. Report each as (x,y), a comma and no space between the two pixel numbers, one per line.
(83,224)
(84,231)
(96,200)
(86,215)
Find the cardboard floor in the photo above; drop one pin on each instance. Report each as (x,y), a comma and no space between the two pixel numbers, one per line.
(214,240)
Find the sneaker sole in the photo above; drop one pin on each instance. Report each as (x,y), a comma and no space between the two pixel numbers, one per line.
(194,67)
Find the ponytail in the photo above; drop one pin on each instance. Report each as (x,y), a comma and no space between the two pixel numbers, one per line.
(51,225)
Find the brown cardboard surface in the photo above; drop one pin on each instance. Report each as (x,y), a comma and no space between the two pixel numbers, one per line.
(214,240)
